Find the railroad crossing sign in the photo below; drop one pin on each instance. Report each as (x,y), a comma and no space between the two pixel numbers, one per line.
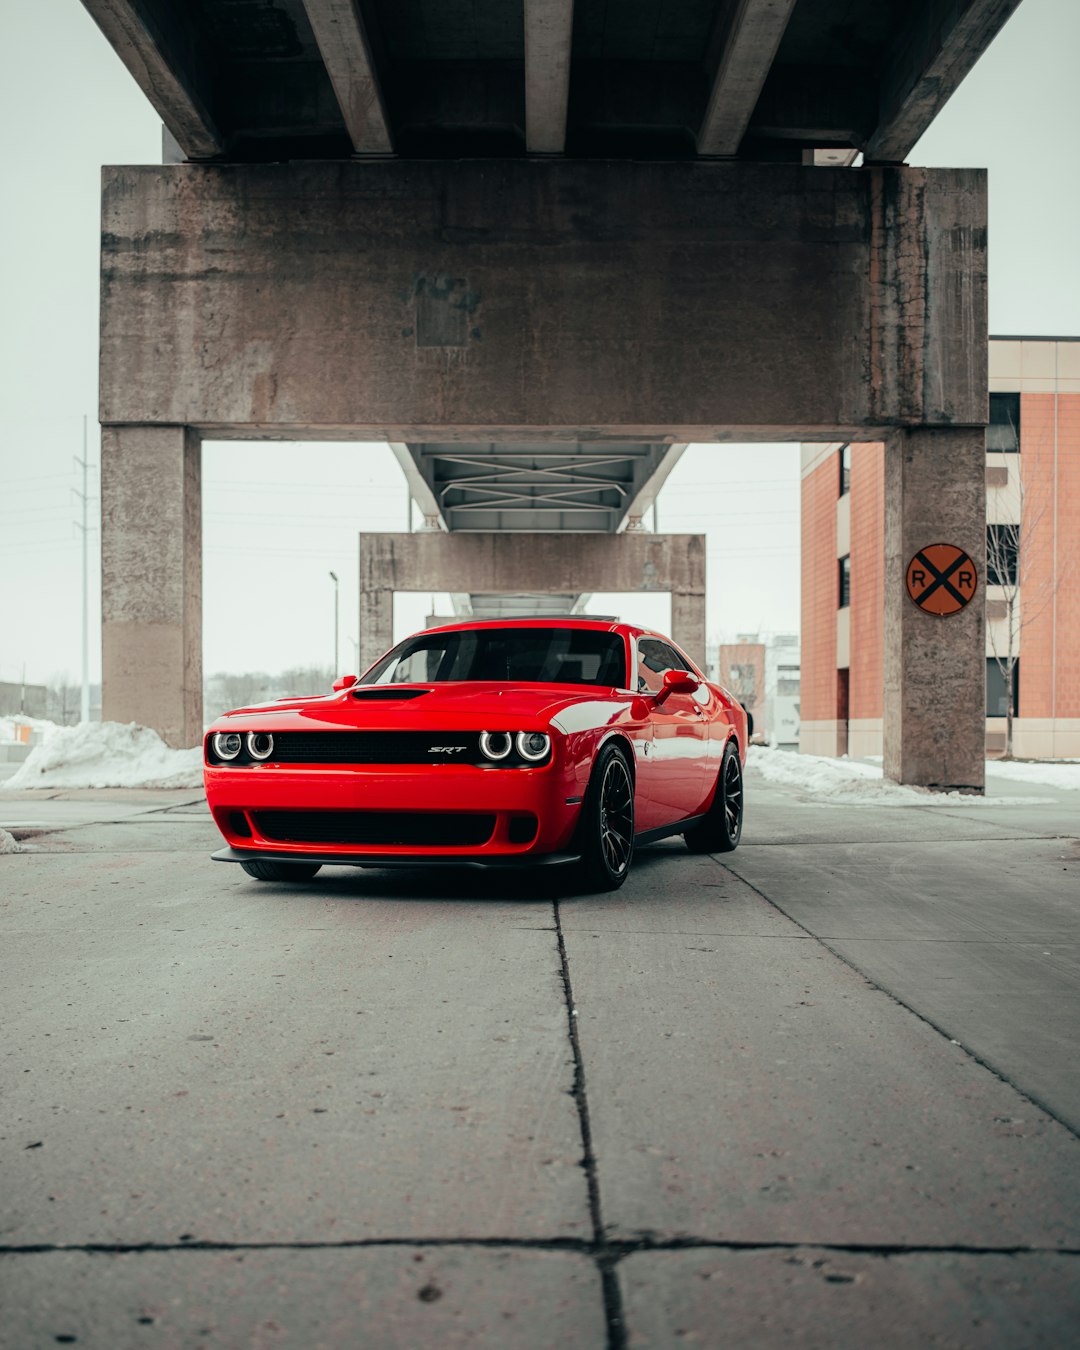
(941,579)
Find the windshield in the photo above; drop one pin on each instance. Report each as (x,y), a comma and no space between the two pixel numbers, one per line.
(508,655)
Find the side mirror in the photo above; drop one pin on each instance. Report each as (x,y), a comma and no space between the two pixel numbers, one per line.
(749,720)
(344,682)
(677,682)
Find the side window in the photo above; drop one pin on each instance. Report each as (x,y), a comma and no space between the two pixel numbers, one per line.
(653,658)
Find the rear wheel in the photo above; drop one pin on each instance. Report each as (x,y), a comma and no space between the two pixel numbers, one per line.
(721,829)
(263,870)
(606,830)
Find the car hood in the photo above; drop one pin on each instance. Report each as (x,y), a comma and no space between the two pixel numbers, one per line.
(470,704)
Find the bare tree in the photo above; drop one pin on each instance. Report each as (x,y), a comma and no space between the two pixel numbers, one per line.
(63,700)
(224,690)
(1011,548)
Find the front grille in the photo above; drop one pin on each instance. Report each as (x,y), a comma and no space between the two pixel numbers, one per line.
(421,829)
(376,747)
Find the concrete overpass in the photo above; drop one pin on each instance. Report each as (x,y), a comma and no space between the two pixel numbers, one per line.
(504,227)
(571,487)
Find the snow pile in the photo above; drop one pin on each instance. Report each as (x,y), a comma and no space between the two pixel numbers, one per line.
(8,843)
(851,782)
(105,755)
(833,780)
(1062,773)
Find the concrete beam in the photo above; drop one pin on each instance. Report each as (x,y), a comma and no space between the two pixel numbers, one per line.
(745,38)
(518,300)
(940,43)
(541,564)
(549,26)
(339,30)
(151,580)
(160,47)
(935,668)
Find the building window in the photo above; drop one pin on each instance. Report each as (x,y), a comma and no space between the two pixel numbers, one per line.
(845,581)
(1003,433)
(1002,551)
(845,470)
(995,688)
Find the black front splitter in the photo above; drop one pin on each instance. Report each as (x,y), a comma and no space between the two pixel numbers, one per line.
(239,855)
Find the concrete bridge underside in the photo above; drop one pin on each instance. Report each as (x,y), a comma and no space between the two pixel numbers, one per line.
(544,302)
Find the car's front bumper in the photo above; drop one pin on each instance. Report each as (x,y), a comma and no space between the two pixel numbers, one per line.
(241,795)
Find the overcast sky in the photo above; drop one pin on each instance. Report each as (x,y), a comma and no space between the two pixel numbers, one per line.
(278,519)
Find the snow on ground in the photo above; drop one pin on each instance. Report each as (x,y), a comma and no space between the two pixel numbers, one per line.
(1062,773)
(106,755)
(851,782)
(8,843)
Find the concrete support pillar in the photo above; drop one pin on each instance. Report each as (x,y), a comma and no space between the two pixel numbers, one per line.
(935,668)
(376,621)
(688,623)
(151,579)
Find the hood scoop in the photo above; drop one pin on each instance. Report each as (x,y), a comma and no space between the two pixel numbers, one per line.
(377,693)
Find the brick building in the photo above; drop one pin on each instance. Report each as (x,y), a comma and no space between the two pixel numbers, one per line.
(1033,528)
(741,668)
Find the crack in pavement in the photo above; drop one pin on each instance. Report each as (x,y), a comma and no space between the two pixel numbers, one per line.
(609,1250)
(600,1248)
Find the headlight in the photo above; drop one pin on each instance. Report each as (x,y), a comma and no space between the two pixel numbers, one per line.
(495,744)
(260,744)
(533,745)
(226,744)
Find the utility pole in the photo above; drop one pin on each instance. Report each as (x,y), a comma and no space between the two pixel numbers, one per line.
(337,668)
(84,710)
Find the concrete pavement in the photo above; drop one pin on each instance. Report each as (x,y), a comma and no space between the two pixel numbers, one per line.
(817,1092)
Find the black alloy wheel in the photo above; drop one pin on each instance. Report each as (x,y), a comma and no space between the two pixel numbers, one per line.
(721,829)
(606,830)
(264,870)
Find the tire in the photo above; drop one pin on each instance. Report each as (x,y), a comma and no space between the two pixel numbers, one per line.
(263,870)
(606,828)
(721,829)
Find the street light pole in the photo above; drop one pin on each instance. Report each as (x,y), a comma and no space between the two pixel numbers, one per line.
(334,579)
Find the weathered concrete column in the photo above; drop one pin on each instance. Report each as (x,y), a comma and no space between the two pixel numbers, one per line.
(525,563)
(151,579)
(376,619)
(688,622)
(935,668)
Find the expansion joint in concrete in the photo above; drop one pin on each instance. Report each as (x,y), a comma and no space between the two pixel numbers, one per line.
(1034,1101)
(614,1250)
(605,1254)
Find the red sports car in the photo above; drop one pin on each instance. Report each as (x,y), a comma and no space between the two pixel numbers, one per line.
(508,743)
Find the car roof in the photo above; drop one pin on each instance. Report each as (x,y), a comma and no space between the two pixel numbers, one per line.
(603,623)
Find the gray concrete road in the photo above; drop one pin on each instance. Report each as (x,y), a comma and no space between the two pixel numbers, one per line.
(819,1092)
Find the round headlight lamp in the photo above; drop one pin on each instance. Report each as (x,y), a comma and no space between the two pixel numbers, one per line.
(260,744)
(495,744)
(533,745)
(226,744)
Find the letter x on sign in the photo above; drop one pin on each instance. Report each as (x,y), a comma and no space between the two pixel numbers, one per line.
(941,579)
